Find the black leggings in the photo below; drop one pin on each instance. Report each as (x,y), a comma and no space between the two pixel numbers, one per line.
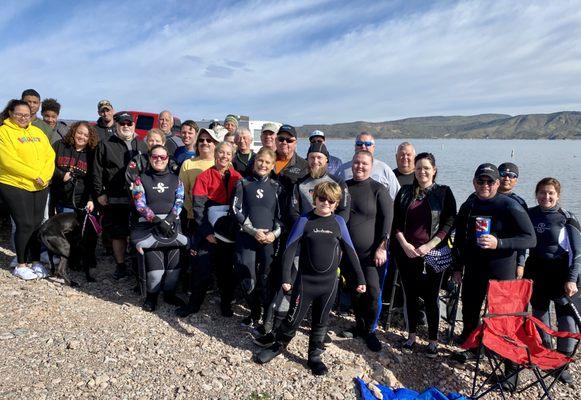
(162,267)
(416,284)
(253,279)
(27,210)
(307,291)
(367,306)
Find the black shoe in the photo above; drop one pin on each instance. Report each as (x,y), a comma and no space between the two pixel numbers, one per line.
(463,356)
(408,348)
(372,342)
(226,310)
(173,299)
(187,310)
(150,302)
(267,354)
(121,271)
(350,333)
(432,351)
(317,367)
(265,340)
(249,322)
(259,330)
(565,377)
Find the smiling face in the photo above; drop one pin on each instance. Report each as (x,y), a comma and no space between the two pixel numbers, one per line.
(324,206)
(508,181)
(405,159)
(547,196)
(285,145)
(317,164)
(365,142)
(20,116)
(159,159)
(425,172)
(125,129)
(106,114)
(243,140)
(263,164)
(81,137)
(33,103)
(485,187)
(361,167)
(206,145)
(50,117)
(165,122)
(188,135)
(268,139)
(223,156)
(153,139)
(230,126)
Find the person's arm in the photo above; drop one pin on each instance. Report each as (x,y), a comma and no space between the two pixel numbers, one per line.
(392,182)
(134,169)
(177,204)
(140,200)
(97,172)
(524,236)
(200,198)
(460,244)
(295,210)
(58,173)
(349,251)
(573,231)
(185,177)
(344,206)
(292,245)
(277,229)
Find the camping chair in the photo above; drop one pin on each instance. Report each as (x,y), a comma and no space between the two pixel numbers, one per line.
(508,333)
(449,302)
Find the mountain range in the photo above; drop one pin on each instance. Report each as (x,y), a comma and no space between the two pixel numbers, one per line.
(559,125)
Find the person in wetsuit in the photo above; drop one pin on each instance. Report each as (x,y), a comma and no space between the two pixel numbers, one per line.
(554,264)
(369,226)
(320,236)
(256,207)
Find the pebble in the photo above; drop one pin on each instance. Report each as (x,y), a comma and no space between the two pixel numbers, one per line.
(6,336)
(73,345)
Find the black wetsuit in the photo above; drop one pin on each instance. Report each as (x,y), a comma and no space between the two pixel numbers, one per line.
(555,260)
(512,227)
(320,240)
(368,225)
(256,206)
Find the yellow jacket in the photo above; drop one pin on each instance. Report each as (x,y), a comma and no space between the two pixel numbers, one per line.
(25,155)
(188,173)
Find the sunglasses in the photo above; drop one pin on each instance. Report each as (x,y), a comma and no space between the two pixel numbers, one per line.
(159,157)
(482,182)
(323,199)
(125,123)
(283,139)
(319,140)
(361,143)
(511,175)
(205,140)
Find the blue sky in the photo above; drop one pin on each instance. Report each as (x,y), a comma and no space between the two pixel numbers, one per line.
(299,62)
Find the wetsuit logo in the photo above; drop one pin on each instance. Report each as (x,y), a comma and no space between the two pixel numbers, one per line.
(542,227)
(160,187)
(320,230)
(260,193)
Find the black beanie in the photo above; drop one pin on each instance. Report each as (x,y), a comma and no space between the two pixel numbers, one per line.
(318,148)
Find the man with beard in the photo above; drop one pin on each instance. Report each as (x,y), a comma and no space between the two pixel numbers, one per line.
(110,187)
(105,124)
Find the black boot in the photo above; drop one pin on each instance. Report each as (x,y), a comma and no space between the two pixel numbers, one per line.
(150,302)
(267,354)
(121,271)
(314,362)
(173,299)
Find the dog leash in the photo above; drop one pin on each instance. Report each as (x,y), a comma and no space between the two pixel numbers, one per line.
(96,225)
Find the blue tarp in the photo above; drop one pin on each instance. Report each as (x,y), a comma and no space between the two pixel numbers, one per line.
(405,394)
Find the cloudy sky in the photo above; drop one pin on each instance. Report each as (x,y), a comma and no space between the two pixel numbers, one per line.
(311,61)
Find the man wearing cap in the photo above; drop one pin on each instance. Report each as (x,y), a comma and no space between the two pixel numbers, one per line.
(268,135)
(112,157)
(302,195)
(105,124)
(334,162)
(244,153)
(490,229)
(172,141)
(404,157)
(381,172)
(231,123)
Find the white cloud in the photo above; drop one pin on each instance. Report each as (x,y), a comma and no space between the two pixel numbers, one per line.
(306,62)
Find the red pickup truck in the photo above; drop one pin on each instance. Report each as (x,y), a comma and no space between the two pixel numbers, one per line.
(145,121)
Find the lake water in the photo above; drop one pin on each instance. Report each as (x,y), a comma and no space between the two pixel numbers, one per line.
(457,160)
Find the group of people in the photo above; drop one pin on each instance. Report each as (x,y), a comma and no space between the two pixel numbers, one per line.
(288,233)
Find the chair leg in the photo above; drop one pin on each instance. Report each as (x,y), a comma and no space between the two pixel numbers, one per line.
(394,286)
(542,383)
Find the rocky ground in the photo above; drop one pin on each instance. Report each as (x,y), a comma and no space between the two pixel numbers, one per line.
(94,341)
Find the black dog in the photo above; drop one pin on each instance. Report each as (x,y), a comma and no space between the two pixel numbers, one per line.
(72,237)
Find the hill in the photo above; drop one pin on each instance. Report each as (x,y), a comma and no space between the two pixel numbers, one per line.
(560,125)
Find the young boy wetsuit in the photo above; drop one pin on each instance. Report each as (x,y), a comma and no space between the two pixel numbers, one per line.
(321,236)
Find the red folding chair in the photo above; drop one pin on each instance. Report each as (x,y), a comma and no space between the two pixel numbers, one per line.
(509,333)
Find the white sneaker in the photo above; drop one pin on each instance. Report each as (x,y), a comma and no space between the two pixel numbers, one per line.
(39,269)
(24,273)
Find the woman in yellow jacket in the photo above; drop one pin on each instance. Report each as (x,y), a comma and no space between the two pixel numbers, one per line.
(26,166)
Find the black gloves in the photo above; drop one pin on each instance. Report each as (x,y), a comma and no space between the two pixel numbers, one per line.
(163,227)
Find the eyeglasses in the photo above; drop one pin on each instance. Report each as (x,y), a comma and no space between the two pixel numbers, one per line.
(20,115)
(482,182)
(361,143)
(323,199)
(125,123)
(159,157)
(317,140)
(511,175)
(205,140)
(283,139)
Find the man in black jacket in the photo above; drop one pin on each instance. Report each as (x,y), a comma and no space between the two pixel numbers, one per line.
(105,124)
(111,160)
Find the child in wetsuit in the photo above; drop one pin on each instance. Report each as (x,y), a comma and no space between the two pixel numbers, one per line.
(256,207)
(321,236)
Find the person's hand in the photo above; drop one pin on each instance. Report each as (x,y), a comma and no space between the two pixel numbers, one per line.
(286,287)
(487,242)
(260,235)
(193,252)
(520,271)
(39,181)
(457,276)
(67,176)
(410,250)
(380,256)
(423,249)
(270,237)
(139,250)
(102,200)
(570,288)
(90,206)
(361,289)
(212,239)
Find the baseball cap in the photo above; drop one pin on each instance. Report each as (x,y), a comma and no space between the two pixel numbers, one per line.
(508,167)
(488,170)
(288,129)
(316,133)
(318,148)
(123,116)
(103,104)
(270,126)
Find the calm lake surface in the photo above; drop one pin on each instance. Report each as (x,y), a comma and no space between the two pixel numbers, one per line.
(457,160)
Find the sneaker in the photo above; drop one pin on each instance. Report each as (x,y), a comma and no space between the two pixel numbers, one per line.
(265,355)
(317,367)
(372,342)
(432,351)
(408,348)
(39,269)
(25,273)
(265,340)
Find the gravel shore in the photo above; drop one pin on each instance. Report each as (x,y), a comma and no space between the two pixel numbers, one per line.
(94,341)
